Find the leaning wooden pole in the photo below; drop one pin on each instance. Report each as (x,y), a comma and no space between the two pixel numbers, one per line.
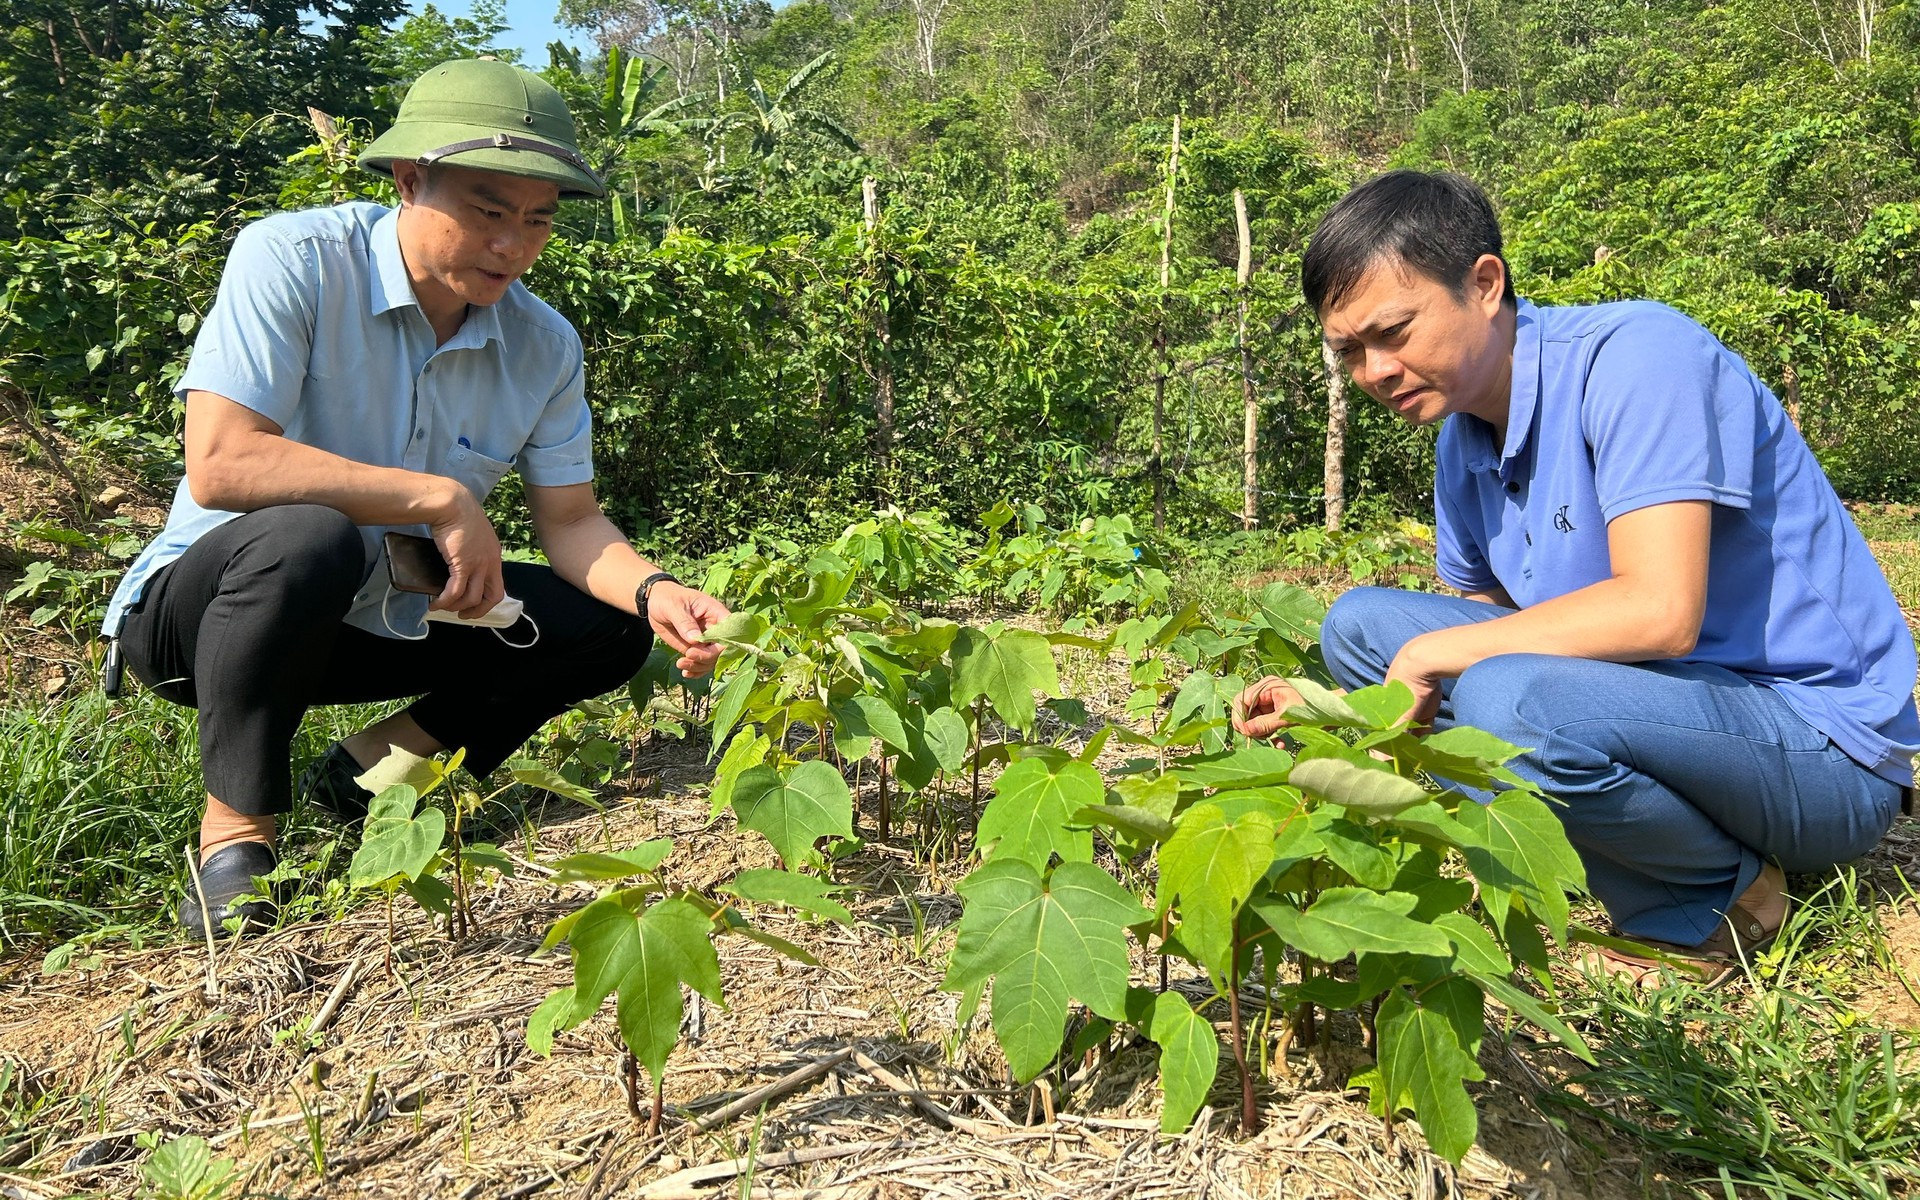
(1156,465)
(1250,443)
(1335,477)
(883,333)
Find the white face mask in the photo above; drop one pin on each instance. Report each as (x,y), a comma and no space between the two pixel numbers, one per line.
(504,615)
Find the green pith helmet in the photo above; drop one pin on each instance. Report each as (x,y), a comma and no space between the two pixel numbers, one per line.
(489,116)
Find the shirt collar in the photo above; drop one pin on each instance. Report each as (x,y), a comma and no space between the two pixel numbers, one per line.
(390,287)
(1525,395)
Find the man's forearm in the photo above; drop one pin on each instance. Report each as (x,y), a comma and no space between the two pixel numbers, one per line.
(1614,620)
(591,553)
(250,470)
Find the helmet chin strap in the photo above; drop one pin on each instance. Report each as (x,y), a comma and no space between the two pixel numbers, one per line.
(508,141)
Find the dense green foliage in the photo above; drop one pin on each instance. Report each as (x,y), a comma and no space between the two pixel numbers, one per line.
(1754,166)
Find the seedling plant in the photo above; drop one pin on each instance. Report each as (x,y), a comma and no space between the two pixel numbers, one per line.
(1338,852)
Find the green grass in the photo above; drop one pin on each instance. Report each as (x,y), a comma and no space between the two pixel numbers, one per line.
(1894,531)
(102,798)
(1776,1087)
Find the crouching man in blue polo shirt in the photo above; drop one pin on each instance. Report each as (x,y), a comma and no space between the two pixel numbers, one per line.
(366,371)
(1662,597)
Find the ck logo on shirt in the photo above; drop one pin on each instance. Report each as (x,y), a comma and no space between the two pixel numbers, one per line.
(1560,521)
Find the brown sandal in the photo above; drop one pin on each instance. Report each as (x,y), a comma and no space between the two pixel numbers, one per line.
(1741,936)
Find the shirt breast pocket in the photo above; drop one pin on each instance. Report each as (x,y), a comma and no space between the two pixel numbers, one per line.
(478,472)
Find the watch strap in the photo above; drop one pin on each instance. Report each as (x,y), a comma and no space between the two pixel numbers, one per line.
(646,586)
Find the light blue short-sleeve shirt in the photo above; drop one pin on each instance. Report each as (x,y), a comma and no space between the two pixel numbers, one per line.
(316,328)
(1618,407)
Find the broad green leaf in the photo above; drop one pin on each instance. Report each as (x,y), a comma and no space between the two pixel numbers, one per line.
(1431,820)
(743,628)
(1189,1058)
(945,733)
(1474,950)
(1138,826)
(1353,851)
(1044,944)
(777,944)
(1292,612)
(1421,1056)
(1374,793)
(1208,867)
(731,701)
(429,891)
(1249,766)
(1462,754)
(1033,812)
(796,810)
(1421,876)
(1383,705)
(396,844)
(1345,921)
(594,866)
(803,892)
(1523,847)
(550,780)
(1006,666)
(1206,697)
(642,960)
(1158,794)
(747,750)
(558,1011)
(1322,706)
(933,636)
(873,716)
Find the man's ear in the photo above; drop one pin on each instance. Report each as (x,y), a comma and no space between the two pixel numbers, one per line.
(1486,282)
(410,179)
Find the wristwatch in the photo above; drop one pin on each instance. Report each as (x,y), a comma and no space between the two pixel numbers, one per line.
(646,586)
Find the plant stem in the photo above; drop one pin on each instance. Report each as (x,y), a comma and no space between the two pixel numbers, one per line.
(979,739)
(630,1071)
(886,816)
(1249,1111)
(460,922)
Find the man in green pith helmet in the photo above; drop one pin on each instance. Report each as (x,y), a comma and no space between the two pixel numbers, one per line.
(365,372)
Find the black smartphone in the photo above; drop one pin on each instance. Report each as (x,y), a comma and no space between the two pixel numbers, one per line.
(414,564)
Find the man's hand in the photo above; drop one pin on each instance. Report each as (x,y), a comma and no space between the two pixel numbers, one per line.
(1257,709)
(472,549)
(1424,682)
(680,617)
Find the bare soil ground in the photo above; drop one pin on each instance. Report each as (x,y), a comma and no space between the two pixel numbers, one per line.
(300,1058)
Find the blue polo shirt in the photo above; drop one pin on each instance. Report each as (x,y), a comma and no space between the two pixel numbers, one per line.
(316,328)
(1618,407)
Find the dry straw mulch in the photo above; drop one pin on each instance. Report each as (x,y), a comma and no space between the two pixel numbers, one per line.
(299,1058)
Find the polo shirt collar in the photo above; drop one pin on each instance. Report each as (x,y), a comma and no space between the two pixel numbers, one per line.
(390,287)
(1525,387)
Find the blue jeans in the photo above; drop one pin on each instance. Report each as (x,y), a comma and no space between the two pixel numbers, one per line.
(1678,779)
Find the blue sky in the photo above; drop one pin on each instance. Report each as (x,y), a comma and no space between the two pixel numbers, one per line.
(532,27)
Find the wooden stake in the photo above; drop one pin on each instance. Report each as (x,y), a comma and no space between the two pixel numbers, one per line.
(883,332)
(1335,476)
(1155,466)
(1250,444)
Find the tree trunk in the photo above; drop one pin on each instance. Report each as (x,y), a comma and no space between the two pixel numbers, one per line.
(1335,479)
(1250,442)
(883,332)
(1155,466)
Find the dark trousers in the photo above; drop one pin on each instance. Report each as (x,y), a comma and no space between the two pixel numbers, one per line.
(246,627)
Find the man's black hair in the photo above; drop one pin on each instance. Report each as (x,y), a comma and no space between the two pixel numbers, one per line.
(1437,225)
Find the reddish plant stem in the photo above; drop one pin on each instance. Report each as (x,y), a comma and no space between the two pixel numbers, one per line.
(886,815)
(1249,1110)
